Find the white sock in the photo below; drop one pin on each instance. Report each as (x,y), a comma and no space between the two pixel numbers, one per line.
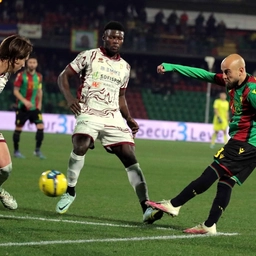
(75,165)
(138,181)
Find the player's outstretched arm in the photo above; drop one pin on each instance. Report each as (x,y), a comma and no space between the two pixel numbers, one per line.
(196,73)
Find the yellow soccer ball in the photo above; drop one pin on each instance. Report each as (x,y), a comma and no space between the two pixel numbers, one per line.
(53,183)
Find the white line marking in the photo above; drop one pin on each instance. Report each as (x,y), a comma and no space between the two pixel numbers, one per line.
(114,240)
(82,222)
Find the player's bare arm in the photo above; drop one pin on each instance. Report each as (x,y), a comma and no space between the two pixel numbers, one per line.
(17,94)
(126,113)
(63,83)
(160,69)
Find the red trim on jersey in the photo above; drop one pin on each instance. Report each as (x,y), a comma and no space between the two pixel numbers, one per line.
(219,79)
(2,140)
(120,143)
(72,69)
(246,118)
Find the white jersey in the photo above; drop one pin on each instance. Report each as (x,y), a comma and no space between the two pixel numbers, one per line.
(3,80)
(102,78)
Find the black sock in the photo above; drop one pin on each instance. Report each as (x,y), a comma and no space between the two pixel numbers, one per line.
(143,206)
(16,140)
(198,186)
(221,201)
(39,138)
(71,191)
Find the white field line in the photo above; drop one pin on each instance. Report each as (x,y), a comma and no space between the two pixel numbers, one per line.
(114,240)
(100,240)
(80,222)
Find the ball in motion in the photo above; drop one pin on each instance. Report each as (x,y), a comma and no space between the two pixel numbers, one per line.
(53,183)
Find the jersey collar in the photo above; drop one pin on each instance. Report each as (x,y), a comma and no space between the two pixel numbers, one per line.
(116,57)
(243,83)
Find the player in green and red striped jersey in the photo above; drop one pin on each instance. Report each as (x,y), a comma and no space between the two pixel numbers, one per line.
(236,160)
(29,94)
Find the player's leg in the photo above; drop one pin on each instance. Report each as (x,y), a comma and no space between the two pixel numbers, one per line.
(213,139)
(19,122)
(239,167)
(125,152)
(39,139)
(225,136)
(196,187)
(85,133)
(5,170)
(81,144)
(35,116)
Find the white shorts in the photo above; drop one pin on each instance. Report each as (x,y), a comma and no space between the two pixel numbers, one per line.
(109,134)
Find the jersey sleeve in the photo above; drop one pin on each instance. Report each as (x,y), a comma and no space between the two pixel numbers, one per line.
(216,104)
(127,77)
(252,95)
(18,80)
(196,73)
(40,80)
(81,61)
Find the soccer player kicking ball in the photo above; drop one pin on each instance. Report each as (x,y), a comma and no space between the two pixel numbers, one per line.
(100,110)
(14,50)
(236,160)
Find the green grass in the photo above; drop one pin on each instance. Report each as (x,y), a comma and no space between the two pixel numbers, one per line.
(104,197)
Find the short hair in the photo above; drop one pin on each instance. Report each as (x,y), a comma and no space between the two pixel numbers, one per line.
(114,25)
(32,56)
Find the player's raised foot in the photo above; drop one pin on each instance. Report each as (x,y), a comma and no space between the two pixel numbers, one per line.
(39,154)
(65,201)
(7,200)
(165,206)
(151,215)
(201,229)
(17,154)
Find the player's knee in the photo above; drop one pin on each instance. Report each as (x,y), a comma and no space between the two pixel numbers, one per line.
(6,170)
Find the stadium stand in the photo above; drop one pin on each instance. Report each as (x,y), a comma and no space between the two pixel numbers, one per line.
(148,42)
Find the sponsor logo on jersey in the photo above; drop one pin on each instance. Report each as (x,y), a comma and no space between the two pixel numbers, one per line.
(95,84)
(241,150)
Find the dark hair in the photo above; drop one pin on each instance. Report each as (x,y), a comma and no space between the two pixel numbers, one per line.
(114,25)
(32,56)
(15,47)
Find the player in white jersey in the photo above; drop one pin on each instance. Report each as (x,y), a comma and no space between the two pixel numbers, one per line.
(14,50)
(102,113)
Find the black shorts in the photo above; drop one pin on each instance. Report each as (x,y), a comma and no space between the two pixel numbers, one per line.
(238,159)
(34,117)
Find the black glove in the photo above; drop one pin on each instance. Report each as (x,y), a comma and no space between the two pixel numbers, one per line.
(219,119)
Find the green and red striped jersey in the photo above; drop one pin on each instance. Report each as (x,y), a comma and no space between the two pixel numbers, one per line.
(29,85)
(242,100)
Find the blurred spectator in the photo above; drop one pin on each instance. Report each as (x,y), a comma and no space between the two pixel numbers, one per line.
(172,22)
(210,26)
(159,20)
(183,23)
(220,33)
(199,25)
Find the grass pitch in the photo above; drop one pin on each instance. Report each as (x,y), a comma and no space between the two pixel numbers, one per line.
(106,219)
